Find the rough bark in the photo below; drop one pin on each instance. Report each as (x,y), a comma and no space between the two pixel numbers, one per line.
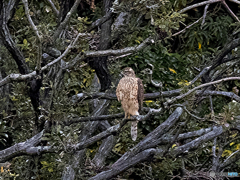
(100,63)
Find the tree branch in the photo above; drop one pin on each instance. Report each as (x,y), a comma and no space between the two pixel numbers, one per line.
(198,87)
(230,11)
(53,7)
(23,148)
(19,77)
(187,27)
(235,1)
(198,4)
(204,15)
(66,20)
(100,21)
(39,60)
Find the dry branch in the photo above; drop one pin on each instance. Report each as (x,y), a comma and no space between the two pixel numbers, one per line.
(18,77)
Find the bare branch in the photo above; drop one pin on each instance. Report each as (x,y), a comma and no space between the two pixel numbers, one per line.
(109,52)
(198,87)
(229,161)
(23,148)
(25,3)
(220,93)
(196,142)
(66,20)
(204,71)
(53,7)
(119,52)
(19,77)
(230,11)
(198,4)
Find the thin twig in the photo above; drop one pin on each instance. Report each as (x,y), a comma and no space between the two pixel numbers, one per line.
(230,11)
(39,59)
(187,27)
(184,107)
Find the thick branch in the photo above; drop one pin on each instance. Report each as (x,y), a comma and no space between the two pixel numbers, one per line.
(235,1)
(220,93)
(142,156)
(217,131)
(23,148)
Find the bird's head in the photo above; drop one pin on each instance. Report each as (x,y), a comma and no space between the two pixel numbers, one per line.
(128,72)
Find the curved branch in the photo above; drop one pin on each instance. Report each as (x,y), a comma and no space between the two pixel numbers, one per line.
(220,93)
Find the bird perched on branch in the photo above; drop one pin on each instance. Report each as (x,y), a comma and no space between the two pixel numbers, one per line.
(130,92)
